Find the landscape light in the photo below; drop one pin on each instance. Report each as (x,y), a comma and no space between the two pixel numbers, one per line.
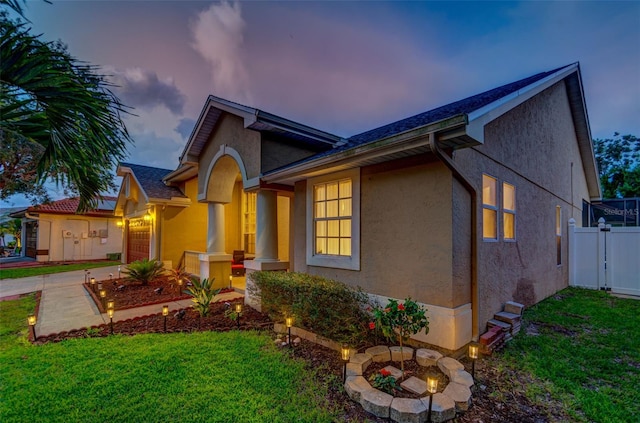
(103,296)
(230,280)
(238,311)
(110,312)
(165,313)
(473,355)
(179,286)
(345,352)
(32,320)
(289,322)
(432,388)
(111,304)
(93,284)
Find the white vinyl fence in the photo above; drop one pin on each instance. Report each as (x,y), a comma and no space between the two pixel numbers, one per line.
(605,257)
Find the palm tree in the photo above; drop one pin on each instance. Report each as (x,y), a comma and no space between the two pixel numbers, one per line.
(52,99)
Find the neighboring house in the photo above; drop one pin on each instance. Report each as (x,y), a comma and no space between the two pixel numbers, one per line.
(461,208)
(56,232)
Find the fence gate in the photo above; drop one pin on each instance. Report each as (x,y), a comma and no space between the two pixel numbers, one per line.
(605,258)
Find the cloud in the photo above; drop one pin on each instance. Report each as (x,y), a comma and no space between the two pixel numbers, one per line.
(185,127)
(217,34)
(143,88)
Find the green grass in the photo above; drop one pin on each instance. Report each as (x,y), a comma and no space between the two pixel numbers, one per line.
(24,272)
(587,354)
(213,377)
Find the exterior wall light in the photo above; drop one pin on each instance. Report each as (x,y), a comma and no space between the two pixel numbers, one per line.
(345,353)
(165,313)
(119,224)
(32,320)
(147,217)
(432,388)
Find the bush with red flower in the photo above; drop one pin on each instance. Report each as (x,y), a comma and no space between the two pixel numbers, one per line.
(384,381)
(400,320)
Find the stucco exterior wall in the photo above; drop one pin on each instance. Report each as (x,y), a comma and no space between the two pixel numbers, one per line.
(406,235)
(276,153)
(184,228)
(230,131)
(86,241)
(532,147)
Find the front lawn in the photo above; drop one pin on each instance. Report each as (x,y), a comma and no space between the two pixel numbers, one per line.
(584,348)
(23,272)
(207,376)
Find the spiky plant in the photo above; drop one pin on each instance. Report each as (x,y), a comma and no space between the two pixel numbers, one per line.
(143,271)
(202,293)
(179,274)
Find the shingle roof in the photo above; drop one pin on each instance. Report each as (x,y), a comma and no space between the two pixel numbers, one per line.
(465,106)
(70,205)
(150,179)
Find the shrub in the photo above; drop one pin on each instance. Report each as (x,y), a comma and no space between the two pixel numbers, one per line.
(143,271)
(400,320)
(202,294)
(326,307)
(384,381)
(179,274)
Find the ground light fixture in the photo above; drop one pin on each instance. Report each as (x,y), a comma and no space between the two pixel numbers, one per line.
(179,286)
(230,280)
(432,388)
(99,286)
(32,320)
(110,313)
(111,304)
(93,284)
(238,312)
(289,322)
(118,272)
(165,313)
(345,353)
(473,355)
(85,275)
(103,296)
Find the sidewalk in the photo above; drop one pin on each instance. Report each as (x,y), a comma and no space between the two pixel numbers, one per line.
(66,305)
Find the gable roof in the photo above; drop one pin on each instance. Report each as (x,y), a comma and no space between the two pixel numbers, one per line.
(105,208)
(456,125)
(150,181)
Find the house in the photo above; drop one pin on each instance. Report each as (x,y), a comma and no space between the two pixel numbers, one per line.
(56,232)
(462,208)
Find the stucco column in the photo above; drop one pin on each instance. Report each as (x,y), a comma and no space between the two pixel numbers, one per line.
(215,228)
(267,226)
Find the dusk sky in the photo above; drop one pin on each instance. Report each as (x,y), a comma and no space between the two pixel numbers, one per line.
(343,67)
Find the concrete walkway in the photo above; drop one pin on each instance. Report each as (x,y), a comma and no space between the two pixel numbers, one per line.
(66,305)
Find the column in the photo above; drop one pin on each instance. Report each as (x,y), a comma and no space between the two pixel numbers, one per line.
(267,226)
(215,229)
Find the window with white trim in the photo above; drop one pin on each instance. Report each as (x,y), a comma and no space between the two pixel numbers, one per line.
(489,208)
(508,212)
(333,220)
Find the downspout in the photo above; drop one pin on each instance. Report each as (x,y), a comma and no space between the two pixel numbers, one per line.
(475,332)
(50,222)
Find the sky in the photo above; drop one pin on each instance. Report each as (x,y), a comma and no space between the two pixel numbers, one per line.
(342,67)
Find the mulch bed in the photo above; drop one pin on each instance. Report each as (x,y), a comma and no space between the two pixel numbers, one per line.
(128,294)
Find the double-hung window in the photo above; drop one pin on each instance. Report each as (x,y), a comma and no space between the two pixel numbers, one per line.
(333,204)
(508,212)
(489,208)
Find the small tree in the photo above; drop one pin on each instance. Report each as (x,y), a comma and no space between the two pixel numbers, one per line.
(144,271)
(401,320)
(202,294)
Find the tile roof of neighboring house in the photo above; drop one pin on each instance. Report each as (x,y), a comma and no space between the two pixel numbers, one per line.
(70,205)
(150,179)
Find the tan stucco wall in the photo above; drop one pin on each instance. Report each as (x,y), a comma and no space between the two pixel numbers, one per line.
(531,147)
(406,235)
(85,242)
(277,153)
(184,228)
(230,131)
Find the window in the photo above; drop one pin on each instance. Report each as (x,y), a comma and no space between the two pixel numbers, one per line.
(333,216)
(249,222)
(508,211)
(489,208)
(558,235)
